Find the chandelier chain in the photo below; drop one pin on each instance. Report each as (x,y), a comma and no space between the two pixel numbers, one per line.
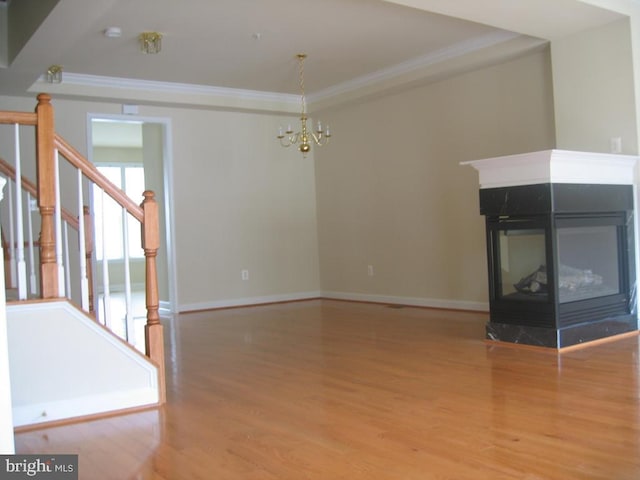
(303,99)
(305,136)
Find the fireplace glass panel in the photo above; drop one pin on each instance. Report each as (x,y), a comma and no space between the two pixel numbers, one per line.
(522,264)
(588,265)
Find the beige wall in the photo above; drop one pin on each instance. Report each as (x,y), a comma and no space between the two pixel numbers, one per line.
(593,85)
(240,202)
(631,9)
(391,192)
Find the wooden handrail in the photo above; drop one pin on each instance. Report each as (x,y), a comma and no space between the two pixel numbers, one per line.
(30,187)
(92,173)
(47,142)
(21,118)
(10,172)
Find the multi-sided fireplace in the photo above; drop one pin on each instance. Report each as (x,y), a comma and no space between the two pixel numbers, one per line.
(560,246)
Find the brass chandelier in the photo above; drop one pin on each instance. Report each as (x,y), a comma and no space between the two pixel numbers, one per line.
(304,137)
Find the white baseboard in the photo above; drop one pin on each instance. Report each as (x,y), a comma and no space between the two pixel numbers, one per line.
(63,409)
(247,301)
(409,301)
(357,297)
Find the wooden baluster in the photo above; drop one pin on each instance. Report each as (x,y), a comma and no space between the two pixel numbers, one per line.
(88,245)
(154,338)
(46,196)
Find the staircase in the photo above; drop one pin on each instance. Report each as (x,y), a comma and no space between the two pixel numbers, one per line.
(65,359)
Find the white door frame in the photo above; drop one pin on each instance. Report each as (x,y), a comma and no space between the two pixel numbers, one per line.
(167,162)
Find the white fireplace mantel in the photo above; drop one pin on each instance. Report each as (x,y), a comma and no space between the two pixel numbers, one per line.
(555,166)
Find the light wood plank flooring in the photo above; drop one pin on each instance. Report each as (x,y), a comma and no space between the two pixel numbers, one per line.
(336,390)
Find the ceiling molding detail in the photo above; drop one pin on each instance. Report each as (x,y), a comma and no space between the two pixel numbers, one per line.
(140,91)
(96,81)
(416,64)
(124,89)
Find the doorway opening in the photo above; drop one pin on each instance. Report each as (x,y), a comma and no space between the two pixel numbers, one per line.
(134,153)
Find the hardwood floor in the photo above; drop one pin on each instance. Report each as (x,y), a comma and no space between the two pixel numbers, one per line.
(335,390)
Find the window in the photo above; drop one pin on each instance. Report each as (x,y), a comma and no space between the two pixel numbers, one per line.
(109,225)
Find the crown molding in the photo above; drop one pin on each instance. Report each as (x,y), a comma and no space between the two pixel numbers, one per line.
(76,85)
(416,64)
(172,88)
(436,67)
(112,88)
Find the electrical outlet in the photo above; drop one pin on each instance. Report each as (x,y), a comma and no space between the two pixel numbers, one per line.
(244,274)
(616,144)
(370,270)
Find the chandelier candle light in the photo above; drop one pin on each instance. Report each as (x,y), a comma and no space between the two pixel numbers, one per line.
(320,137)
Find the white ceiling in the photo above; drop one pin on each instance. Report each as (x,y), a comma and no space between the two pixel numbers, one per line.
(251,45)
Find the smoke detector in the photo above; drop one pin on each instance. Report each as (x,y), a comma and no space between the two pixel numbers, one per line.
(113,32)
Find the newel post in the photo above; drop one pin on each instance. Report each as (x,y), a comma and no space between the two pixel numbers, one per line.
(154,338)
(46,196)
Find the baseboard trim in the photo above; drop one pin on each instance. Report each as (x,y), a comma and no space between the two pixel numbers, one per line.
(86,418)
(248,301)
(409,301)
(69,408)
(347,296)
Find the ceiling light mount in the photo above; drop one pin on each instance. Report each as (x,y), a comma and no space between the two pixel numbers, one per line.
(150,42)
(54,74)
(304,137)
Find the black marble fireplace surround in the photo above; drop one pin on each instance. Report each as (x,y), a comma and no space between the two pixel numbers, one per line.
(561,262)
